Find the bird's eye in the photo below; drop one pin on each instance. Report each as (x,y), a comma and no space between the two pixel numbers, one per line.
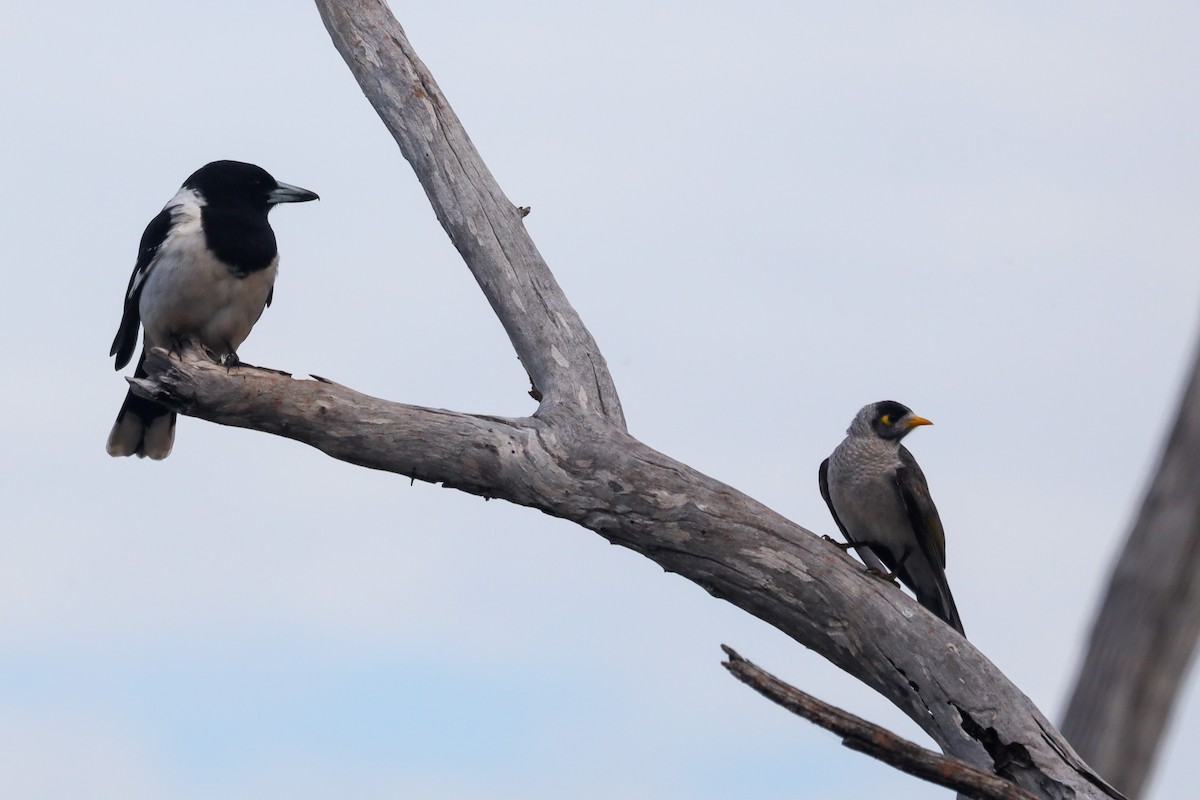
(886,419)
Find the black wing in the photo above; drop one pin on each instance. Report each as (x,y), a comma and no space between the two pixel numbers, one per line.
(823,479)
(924,571)
(927,524)
(152,238)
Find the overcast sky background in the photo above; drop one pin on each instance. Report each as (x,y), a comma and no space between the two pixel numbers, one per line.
(769,214)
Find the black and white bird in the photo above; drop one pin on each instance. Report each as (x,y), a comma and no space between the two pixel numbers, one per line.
(205,271)
(880,500)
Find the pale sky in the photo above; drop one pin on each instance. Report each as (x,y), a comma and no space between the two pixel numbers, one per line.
(768,214)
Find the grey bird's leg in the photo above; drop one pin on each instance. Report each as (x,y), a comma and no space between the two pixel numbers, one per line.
(876,568)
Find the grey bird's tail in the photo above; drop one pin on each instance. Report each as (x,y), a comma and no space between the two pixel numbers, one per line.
(935,595)
(143,427)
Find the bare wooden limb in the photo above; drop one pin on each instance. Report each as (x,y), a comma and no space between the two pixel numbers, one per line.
(460,451)
(873,740)
(562,359)
(1144,636)
(603,479)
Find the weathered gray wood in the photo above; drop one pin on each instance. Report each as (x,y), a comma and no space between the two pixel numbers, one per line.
(1144,636)
(585,470)
(869,738)
(574,459)
(562,359)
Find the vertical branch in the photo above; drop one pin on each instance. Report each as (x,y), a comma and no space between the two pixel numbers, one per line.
(1145,633)
(563,361)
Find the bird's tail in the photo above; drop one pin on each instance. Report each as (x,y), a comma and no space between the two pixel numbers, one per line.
(143,427)
(941,602)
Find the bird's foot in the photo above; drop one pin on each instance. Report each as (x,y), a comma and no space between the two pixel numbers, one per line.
(230,360)
(843,546)
(179,344)
(890,577)
(213,355)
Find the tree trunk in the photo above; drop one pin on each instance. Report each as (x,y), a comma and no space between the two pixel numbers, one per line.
(1145,633)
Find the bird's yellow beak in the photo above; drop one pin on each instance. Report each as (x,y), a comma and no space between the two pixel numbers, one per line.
(915,421)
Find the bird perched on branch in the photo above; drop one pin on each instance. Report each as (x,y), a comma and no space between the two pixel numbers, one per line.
(880,500)
(205,271)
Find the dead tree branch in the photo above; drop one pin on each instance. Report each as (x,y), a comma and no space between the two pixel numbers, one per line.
(559,354)
(574,458)
(873,740)
(605,480)
(1144,636)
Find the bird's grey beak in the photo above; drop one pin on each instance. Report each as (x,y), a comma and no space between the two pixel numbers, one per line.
(286,193)
(915,421)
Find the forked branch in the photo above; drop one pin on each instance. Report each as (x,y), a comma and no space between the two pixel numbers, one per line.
(574,458)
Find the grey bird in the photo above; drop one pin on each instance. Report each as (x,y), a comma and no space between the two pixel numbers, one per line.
(880,500)
(205,271)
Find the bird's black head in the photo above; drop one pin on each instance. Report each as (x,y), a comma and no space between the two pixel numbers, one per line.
(234,199)
(887,419)
(237,184)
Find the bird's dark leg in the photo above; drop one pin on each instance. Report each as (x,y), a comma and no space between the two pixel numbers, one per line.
(178,345)
(843,546)
(846,546)
(228,359)
(889,577)
(212,354)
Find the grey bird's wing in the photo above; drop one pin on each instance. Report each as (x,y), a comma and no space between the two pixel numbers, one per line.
(823,480)
(864,551)
(924,570)
(127,334)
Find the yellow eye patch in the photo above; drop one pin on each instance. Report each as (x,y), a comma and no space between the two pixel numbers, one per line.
(886,419)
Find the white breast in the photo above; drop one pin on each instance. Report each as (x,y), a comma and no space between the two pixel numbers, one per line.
(188,293)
